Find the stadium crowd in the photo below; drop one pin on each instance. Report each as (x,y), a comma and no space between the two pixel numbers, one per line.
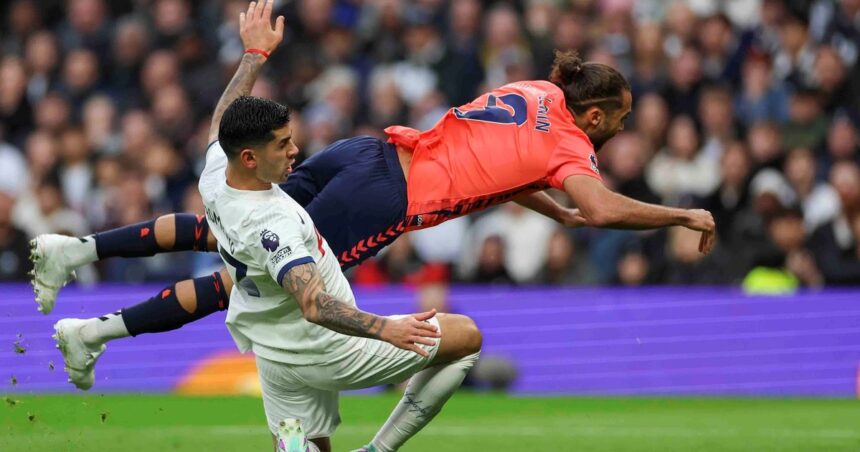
(748,108)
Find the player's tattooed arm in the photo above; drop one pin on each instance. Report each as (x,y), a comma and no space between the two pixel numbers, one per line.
(258,34)
(240,85)
(304,282)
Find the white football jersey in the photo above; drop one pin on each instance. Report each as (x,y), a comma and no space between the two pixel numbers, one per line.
(261,235)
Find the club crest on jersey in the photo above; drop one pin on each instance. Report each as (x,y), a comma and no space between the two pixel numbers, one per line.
(593,159)
(270,240)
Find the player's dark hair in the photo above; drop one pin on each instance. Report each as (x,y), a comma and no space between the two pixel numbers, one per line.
(586,85)
(248,122)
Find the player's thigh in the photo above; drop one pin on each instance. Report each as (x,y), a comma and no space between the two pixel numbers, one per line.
(460,337)
(287,397)
(368,363)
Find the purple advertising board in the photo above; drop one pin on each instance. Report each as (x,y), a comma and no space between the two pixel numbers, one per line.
(589,341)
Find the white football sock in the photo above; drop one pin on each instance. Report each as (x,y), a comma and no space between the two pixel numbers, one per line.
(425,394)
(98,330)
(82,252)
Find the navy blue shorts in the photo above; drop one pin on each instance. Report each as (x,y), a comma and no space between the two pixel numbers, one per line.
(355,192)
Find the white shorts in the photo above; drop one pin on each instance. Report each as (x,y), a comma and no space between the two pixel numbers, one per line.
(310,393)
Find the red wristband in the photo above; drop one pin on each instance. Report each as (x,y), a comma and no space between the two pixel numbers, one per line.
(260,51)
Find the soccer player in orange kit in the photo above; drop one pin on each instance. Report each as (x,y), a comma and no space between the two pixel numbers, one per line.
(509,144)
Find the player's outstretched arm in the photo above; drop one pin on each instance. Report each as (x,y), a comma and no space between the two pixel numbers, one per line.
(542,203)
(305,284)
(604,208)
(255,29)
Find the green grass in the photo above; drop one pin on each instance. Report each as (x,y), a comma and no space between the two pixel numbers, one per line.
(469,423)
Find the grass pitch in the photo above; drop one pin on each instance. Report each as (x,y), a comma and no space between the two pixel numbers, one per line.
(470,422)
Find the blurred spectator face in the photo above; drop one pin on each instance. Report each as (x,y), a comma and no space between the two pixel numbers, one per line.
(651,117)
(86,16)
(627,156)
(756,76)
(160,69)
(715,110)
(735,165)
(337,44)
(764,142)
(315,15)
(99,118)
(560,252)
(503,28)
(842,139)
(800,169)
(81,70)
(23,17)
(569,33)
(793,34)
(130,44)
(137,131)
(686,68)
(14,77)
(135,202)
(161,159)
(386,104)
(715,34)
(42,53)
(632,269)
(845,178)
(684,245)
(540,16)
(683,139)
(771,193)
(465,17)
(73,146)
(171,16)
(829,69)
(52,112)
(171,107)
(492,254)
(50,199)
(108,173)
(681,21)
(649,42)
(804,108)
(42,153)
(787,231)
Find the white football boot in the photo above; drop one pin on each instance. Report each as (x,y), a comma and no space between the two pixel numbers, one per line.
(79,358)
(291,436)
(52,256)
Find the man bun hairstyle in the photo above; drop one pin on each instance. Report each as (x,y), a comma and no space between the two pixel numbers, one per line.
(248,122)
(586,85)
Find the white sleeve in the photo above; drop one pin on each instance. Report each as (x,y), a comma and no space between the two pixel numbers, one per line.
(279,244)
(213,174)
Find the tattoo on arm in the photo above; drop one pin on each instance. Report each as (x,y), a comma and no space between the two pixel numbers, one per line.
(240,85)
(305,283)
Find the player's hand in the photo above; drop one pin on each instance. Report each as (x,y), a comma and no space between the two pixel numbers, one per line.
(255,27)
(702,220)
(407,333)
(572,218)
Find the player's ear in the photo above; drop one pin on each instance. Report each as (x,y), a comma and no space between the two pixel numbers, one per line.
(249,160)
(595,116)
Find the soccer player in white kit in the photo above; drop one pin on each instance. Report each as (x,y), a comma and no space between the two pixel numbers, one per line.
(290,304)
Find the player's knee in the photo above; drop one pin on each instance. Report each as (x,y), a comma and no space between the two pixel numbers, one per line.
(474,338)
(468,336)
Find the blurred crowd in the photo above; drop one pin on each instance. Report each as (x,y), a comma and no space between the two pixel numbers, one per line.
(748,108)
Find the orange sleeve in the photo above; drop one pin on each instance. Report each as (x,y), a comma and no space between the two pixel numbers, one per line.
(572,156)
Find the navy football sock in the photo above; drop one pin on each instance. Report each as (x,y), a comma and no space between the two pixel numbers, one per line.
(164,313)
(138,240)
